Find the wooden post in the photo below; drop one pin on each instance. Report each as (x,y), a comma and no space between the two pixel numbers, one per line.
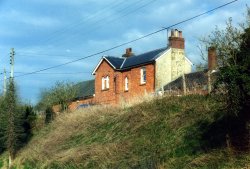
(10,161)
(184,84)
(209,86)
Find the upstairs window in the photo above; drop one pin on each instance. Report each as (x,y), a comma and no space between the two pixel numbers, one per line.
(105,83)
(143,75)
(126,84)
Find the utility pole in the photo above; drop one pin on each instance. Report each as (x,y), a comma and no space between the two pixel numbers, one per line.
(12,54)
(4,82)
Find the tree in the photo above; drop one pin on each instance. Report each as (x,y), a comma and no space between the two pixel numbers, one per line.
(233,53)
(61,93)
(16,122)
(14,128)
(3,124)
(200,67)
(28,119)
(49,115)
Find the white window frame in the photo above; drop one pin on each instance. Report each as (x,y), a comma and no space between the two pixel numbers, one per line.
(143,75)
(105,83)
(126,87)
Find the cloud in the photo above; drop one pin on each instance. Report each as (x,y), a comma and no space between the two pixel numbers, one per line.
(59,31)
(30,19)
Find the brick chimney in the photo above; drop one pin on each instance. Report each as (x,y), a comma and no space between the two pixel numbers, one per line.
(212,58)
(128,53)
(176,40)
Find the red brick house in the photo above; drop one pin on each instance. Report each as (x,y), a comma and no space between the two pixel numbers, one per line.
(123,78)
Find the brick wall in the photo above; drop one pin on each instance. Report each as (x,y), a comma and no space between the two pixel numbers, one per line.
(73,105)
(116,91)
(105,96)
(135,86)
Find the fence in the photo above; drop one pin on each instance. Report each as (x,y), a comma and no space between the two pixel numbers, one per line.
(192,83)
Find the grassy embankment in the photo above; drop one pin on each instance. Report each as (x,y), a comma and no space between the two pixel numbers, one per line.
(175,132)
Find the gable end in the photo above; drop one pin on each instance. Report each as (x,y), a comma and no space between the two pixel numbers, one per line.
(93,73)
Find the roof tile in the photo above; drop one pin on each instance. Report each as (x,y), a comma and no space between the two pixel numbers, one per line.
(133,61)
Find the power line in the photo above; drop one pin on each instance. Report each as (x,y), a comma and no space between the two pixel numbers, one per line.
(97,26)
(49,39)
(46,54)
(84,20)
(87,18)
(53,72)
(58,73)
(203,13)
(125,43)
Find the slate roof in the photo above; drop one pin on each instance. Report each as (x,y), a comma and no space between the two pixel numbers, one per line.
(142,58)
(191,78)
(133,61)
(115,61)
(198,78)
(85,89)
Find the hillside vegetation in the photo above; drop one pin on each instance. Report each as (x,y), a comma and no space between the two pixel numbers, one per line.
(169,132)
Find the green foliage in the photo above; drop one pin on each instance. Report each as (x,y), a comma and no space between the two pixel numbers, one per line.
(200,67)
(236,81)
(61,93)
(14,129)
(16,121)
(235,77)
(28,118)
(1,163)
(233,53)
(3,124)
(49,115)
(227,43)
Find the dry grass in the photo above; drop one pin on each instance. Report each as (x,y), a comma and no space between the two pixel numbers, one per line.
(153,134)
(51,143)
(147,97)
(64,127)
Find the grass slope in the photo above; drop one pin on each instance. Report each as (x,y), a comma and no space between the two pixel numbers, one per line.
(171,132)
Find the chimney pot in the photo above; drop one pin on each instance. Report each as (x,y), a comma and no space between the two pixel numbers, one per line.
(172,32)
(128,50)
(128,53)
(176,40)
(180,34)
(176,33)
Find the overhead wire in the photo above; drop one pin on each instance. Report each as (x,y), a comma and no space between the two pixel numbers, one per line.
(128,42)
(58,73)
(112,20)
(98,24)
(49,39)
(74,24)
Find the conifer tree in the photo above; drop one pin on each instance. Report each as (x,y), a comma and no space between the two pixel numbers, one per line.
(14,128)
(3,124)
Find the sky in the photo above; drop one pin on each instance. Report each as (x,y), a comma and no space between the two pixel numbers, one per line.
(46,33)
